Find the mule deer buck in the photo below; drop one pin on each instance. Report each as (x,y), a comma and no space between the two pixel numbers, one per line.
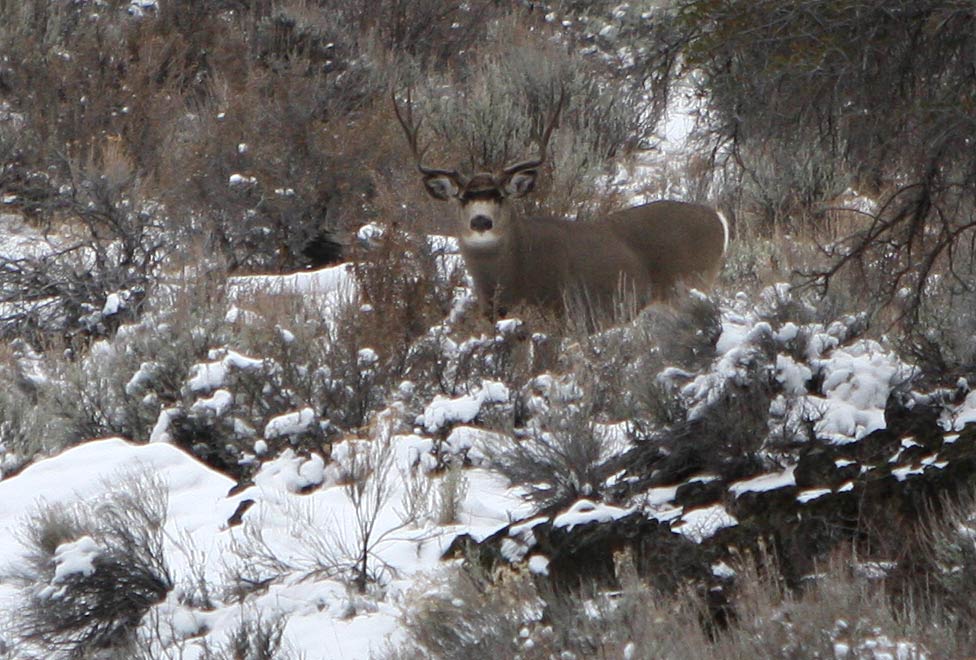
(639,255)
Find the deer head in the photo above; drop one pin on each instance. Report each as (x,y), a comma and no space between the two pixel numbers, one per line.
(483,201)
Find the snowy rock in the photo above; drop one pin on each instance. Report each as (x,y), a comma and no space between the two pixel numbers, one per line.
(586,511)
(765,482)
(701,524)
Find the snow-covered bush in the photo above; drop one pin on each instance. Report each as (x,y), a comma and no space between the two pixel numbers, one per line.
(119,386)
(560,455)
(92,570)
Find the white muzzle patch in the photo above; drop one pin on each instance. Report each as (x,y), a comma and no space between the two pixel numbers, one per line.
(474,238)
(483,239)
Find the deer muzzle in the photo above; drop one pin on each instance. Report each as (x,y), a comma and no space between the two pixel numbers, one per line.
(481,223)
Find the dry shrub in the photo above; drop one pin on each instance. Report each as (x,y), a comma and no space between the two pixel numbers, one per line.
(111,245)
(942,341)
(74,612)
(256,172)
(25,428)
(475,615)
(561,455)
(407,288)
(254,638)
(493,109)
(950,564)
(839,613)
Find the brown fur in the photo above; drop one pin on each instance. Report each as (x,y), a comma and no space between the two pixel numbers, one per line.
(644,251)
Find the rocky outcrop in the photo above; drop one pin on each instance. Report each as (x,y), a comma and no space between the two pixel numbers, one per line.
(875,492)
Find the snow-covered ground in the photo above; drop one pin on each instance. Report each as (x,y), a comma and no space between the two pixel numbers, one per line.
(325,617)
(298,538)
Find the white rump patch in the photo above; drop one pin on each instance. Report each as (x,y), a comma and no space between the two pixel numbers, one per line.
(725,229)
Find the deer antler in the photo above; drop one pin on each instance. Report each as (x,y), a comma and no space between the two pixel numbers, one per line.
(411,130)
(544,143)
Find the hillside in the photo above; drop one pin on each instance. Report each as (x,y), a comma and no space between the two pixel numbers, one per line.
(254,410)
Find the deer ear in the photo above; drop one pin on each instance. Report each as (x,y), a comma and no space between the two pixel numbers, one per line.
(521,183)
(441,186)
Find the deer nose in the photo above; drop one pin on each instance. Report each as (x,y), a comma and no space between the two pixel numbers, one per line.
(481,223)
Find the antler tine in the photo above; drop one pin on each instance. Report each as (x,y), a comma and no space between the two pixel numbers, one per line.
(544,142)
(411,130)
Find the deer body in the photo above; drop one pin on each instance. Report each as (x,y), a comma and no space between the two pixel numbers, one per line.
(635,256)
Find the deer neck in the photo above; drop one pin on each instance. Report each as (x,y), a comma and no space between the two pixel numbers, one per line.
(493,266)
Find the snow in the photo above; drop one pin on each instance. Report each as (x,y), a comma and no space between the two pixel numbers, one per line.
(812,494)
(324,620)
(655,497)
(289,424)
(198,504)
(966,412)
(513,551)
(506,327)
(291,473)
(903,472)
(474,442)
(443,411)
(735,332)
(209,376)
(700,524)
(366,357)
(614,439)
(216,405)
(857,381)
(21,240)
(792,375)
(539,565)
(113,303)
(765,482)
(139,7)
(238,180)
(586,511)
(331,281)
(413,450)
(75,557)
